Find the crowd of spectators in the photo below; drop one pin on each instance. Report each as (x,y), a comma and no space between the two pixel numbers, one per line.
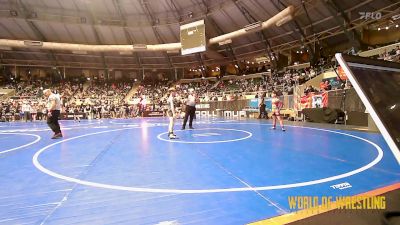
(108,99)
(393,55)
(97,93)
(100,100)
(28,102)
(96,100)
(151,92)
(16,109)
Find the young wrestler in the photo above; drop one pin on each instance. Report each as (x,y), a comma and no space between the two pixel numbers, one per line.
(171,113)
(276,108)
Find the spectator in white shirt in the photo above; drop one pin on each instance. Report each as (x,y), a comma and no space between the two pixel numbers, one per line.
(26,109)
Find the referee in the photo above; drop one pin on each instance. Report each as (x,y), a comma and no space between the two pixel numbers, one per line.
(53,112)
(190,109)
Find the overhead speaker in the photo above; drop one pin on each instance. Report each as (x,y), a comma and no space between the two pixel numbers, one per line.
(253,26)
(33,43)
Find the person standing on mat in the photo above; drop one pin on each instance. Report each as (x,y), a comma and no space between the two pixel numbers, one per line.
(261,106)
(53,107)
(76,113)
(276,111)
(190,109)
(171,113)
(26,110)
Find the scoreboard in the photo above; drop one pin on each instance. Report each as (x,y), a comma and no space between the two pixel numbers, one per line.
(193,37)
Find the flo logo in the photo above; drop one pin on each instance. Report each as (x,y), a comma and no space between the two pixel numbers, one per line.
(370,15)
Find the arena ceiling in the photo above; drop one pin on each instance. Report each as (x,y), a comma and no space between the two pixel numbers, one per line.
(127,22)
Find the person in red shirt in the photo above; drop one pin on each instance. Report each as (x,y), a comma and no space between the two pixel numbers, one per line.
(276,114)
(322,85)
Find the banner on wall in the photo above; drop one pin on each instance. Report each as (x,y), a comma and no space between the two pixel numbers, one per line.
(254,103)
(314,100)
(333,81)
(152,113)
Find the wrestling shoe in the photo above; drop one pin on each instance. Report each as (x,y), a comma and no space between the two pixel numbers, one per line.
(57,136)
(172,136)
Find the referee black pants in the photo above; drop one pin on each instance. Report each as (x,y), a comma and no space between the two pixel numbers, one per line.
(189,112)
(52,121)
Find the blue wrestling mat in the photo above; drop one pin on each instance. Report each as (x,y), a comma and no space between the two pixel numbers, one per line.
(222,172)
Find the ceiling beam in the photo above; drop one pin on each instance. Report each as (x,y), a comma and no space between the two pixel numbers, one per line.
(330,32)
(356,23)
(83,18)
(198,56)
(228,47)
(323,34)
(303,38)
(98,41)
(203,66)
(146,8)
(78,17)
(128,35)
(352,35)
(263,37)
(25,13)
(176,10)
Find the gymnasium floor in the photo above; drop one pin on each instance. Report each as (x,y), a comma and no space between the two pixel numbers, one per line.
(223,172)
